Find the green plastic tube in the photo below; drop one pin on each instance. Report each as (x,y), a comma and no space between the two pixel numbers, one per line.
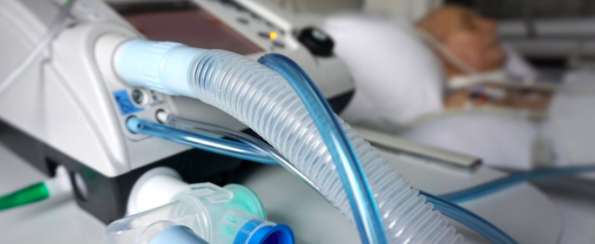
(27,195)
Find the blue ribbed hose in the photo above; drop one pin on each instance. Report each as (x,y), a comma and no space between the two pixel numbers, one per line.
(453,211)
(262,99)
(363,205)
(190,129)
(239,87)
(258,151)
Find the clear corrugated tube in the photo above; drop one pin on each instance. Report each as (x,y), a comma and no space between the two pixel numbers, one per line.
(348,166)
(192,128)
(443,203)
(263,100)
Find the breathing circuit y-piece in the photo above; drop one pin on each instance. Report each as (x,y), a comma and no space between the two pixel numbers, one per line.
(229,215)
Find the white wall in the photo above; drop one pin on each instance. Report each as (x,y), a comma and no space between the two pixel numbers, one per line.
(318,6)
(413,9)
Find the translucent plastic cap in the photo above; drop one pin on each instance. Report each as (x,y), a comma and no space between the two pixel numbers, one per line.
(245,199)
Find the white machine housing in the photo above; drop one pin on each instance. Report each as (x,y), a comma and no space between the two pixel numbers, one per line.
(68,101)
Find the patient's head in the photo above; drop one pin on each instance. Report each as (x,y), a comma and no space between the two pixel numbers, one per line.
(466,34)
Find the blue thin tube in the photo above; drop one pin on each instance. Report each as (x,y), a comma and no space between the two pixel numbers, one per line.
(197,140)
(469,219)
(453,211)
(266,156)
(499,184)
(252,142)
(256,146)
(253,151)
(252,146)
(361,199)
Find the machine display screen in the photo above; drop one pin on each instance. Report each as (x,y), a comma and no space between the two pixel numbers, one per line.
(184,22)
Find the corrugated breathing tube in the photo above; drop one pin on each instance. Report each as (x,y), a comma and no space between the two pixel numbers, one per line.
(262,99)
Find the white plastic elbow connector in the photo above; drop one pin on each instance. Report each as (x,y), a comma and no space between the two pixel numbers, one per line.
(155,188)
(59,185)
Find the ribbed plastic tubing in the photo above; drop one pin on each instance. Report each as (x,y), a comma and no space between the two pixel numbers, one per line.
(348,167)
(263,100)
(453,211)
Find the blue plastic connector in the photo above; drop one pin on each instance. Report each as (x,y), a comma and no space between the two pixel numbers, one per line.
(166,67)
(254,233)
(177,234)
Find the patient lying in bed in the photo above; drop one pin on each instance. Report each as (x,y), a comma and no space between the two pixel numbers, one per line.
(466,44)
(400,78)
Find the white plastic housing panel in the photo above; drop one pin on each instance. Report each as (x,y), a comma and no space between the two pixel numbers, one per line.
(69,101)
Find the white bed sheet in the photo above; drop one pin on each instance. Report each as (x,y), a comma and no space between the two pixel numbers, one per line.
(571,122)
(509,141)
(499,140)
(578,217)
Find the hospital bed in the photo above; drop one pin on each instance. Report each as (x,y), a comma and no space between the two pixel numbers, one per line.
(567,40)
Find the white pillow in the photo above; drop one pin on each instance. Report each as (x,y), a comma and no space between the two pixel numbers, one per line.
(397,78)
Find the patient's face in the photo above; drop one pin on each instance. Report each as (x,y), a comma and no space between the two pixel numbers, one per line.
(466,34)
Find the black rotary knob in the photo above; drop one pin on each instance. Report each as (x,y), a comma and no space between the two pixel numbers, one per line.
(317,41)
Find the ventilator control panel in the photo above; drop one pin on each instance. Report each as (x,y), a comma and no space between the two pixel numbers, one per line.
(210,24)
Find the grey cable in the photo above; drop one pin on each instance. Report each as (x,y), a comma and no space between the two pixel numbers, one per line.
(55,28)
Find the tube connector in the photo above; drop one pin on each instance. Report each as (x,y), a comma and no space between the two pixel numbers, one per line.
(156,187)
(166,67)
(177,234)
(229,215)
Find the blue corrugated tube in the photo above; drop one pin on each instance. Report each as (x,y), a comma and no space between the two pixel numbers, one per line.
(263,100)
(249,143)
(348,165)
(315,102)
(446,207)
(258,147)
